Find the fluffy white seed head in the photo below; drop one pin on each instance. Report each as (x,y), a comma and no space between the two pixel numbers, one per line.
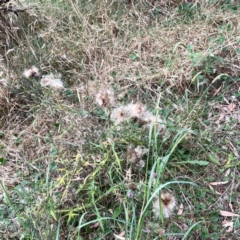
(35,71)
(136,109)
(148,119)
(140,151)
(137,112)
(168,203)
(120,114)
(50,81)
(135,155)
(31,72)
(105,99)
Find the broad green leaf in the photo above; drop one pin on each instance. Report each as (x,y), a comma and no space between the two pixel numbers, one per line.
(117,212)
(213,159)
(3,161)
(132,56)
(196,162)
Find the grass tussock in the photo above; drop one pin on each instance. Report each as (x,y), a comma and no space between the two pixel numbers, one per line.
(119,120)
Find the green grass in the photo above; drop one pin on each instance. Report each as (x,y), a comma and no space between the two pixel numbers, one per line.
(66,169)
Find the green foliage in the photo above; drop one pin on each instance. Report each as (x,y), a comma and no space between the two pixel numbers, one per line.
(189,10)
(66,167)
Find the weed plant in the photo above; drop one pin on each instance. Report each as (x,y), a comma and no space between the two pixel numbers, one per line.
(68,170)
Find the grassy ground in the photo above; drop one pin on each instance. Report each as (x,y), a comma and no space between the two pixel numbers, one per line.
(68,171)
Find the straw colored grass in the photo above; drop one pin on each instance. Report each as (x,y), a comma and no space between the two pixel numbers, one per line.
(68,171)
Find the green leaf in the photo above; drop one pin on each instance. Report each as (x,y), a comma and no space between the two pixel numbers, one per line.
(238,50)
(236,94)
(53,166)
(117,212)
(190,47)
(213,159)
(190,229)
(113,74)
(195,162)
(52,213)
(54,151)
(237,224)
(71,216)
(3,161)
(18,140)
(2,212)
(132,56)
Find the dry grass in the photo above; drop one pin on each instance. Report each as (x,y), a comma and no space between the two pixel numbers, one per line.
(63,157)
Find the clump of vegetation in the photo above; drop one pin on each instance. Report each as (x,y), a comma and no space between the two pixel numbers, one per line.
(119,120)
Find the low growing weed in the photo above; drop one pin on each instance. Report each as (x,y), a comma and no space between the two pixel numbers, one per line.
(140,138)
